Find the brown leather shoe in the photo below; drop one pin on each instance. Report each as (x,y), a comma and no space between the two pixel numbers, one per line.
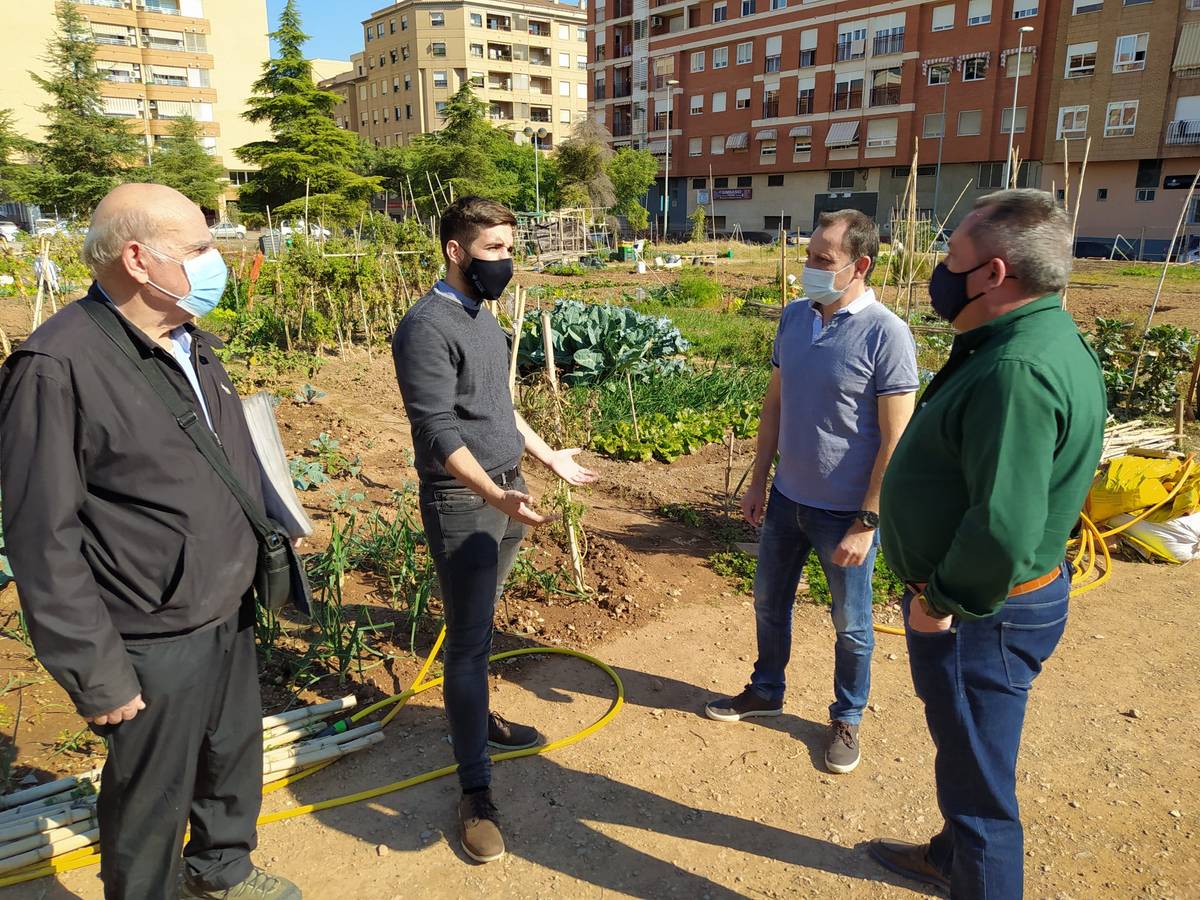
(479,828)
(909,860)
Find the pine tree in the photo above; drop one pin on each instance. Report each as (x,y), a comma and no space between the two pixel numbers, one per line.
(86,153)
(183,163)
(307,150)
(12,146)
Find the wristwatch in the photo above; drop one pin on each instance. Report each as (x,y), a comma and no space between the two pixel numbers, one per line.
(868,518)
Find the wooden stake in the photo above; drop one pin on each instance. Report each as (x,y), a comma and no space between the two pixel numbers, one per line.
(1087,149)
(518,325)
(1066,178)
(729,471)
(782,263)
(637,432)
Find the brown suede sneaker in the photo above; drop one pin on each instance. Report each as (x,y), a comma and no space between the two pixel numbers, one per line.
(479,827)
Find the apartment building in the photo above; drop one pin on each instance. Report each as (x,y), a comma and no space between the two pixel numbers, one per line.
(526,60)
(346,85)
(161,59)
(785,110)
(1127,76)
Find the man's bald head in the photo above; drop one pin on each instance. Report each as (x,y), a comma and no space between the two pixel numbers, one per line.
(145,213)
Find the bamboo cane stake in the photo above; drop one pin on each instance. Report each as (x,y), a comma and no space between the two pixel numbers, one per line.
(782,263)
(307,712)
(320,755)
(44,824)
(59,808)
(307,747)
(910,236)
(1162,278)
(517,325)
(43,839)
(1066,177)
(5,345)
(1087,149)
(282,739)
(38,792)
(729,471)
(637,432)
(65,845)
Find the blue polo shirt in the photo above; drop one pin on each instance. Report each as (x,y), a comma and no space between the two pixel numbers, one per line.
(832,376)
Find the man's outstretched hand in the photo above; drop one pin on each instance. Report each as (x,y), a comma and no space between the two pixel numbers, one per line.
(518,505)
(562,463)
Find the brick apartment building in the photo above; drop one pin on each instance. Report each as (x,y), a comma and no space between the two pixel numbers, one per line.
(526,60)
(795,109)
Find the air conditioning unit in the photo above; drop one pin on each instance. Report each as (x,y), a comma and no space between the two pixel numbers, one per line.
(656,21)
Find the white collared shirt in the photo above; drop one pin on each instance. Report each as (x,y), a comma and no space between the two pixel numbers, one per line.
(855,306)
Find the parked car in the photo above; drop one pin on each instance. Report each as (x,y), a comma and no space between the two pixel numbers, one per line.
(8,231)
(228,231)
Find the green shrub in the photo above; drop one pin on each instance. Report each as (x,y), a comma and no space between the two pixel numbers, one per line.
(693,289)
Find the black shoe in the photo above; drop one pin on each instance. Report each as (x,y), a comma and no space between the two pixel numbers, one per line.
(909,860)
(743,706)
(506,735)
(479,827)
(842,752)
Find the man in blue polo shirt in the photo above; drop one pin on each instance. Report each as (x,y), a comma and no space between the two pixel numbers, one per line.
(844,375)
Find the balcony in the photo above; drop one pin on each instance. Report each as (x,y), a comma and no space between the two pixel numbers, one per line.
(497,83)
(621,9)
(851,50)
(622,130)
(620,50)
(599,92)
(622,89)
(806,102)
(1183,131)
(539,114)
(151,43)
(539,57)
(499,23)
(885,96)
(770,109)
(499,52)
(113,40)
(168,80)
(109,4)
(851,99)
(886,44)
(539,29)
(122,77)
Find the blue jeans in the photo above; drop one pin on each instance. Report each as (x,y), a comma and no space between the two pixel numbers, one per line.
(789,533)
(974,681)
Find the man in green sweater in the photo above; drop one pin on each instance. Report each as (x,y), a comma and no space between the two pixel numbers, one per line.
(980,498)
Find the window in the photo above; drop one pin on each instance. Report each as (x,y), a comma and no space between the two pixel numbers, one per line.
(742,99)
(476,79)
(564,60)
(770,101)
(564,116)
(767,150)
(721,182)
(881,133)
(991,175)
(698,183)
(718,102)
(922,171)
(1078,7)
(747,7)
(698,61)
(439,48)
(745,181)
(392,30)
(841,179)
(848,91)
(979,12)
(437,19)
(720,57)
(970,121)
(696,107)
(581,90)
(808,48)
(975,69)
(745,53)
(773,53)
(720,12)
(943,17)
(1101,194)
(476,20)
(440,108)
(939,74)
(1144,195)
(477,51)
(1081,60)
(408,82)
(581,35)
(564,89)
(806,96)
(564,32)
(696,148)
(439,80)
(1024,9)
(1130,55)
(1022,65)
(1121,118)
(404,23)
(382,61)
(935,125)
(802,147)
(1006,118)
(581,63)
(852,41)
(716,147)
(1072,122)
(774,181)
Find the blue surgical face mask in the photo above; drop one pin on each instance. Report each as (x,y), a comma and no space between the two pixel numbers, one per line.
(818,284)
(206,275)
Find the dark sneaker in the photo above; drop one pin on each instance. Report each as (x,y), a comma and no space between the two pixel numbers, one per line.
(841,753)
(259,886)
(479,827)
(506,735)
(909,860)
(745,705)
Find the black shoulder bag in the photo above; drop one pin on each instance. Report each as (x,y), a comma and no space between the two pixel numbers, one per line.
(280,576)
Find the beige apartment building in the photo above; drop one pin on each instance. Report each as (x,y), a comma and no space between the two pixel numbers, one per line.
(1127,75)
(161,60)
(526,60)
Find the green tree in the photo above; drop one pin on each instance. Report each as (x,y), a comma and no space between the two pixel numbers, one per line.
(12,146)
(308,151)
(183,163)
(632,172)
(582,164)
(86,153)
(699,225)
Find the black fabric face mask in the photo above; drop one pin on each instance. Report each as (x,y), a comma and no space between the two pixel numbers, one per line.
(489,276)
(948,290)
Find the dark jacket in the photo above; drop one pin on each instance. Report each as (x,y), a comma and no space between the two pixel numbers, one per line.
(116,527)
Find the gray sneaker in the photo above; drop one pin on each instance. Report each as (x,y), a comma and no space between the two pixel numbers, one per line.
(842,753)
(259,886)
(743,706)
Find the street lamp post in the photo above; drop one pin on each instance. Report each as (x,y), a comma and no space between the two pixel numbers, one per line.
(670,86)
(536,136)
(1012,122)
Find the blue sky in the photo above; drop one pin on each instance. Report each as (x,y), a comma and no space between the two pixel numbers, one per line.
(335,25)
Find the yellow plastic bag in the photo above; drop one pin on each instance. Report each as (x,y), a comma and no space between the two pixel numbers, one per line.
(1130,483)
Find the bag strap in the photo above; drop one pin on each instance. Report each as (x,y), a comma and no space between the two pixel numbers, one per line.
(209,445)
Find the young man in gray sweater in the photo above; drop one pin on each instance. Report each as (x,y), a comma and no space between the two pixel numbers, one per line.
(452,362)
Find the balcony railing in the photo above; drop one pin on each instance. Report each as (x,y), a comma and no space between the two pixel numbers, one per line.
(122,77)
(162,9)
(159,44)
(112,40)
(851,99)
(770,109)
(1184,131)
(540,116)
(620,51)
(168,80)
(600,92)
(806,102)
(622,129)
(888,43)
(111,4)
(850,50)
(622,90)
(885,96)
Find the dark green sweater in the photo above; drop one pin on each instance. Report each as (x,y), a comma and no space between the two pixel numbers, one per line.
(991,474)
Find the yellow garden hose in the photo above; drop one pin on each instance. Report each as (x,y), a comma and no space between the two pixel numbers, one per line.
(88,856)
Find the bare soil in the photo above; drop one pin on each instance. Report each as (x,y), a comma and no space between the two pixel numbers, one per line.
(663,802)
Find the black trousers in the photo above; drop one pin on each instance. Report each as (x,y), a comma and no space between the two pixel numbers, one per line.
(474,546)
(193,755)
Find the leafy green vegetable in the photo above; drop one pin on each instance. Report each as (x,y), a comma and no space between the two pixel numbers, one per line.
(666,438)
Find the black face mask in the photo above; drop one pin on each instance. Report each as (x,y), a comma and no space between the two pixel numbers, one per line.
(948,290)
(489,276)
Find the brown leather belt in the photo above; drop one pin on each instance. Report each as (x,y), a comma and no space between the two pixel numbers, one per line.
(1029,587)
